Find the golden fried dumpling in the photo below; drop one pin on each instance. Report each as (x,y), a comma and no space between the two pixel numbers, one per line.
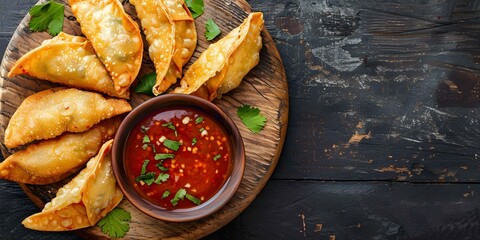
(170,32)
(115,37)
(55,159)
(68,60)
(83,201)
(223,65)
(51,112)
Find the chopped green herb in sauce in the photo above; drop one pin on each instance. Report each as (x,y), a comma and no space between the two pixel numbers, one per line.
(172,145)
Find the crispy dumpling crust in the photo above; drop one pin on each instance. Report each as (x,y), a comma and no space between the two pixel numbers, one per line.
(68,60)
(170,31)
(222,66)
(55,159)
(83,201)
(115,37)
(51,112)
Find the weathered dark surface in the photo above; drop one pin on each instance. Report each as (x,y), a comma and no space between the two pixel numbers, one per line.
(408,72)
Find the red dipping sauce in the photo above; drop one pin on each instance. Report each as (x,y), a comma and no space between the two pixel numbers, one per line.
(178,158)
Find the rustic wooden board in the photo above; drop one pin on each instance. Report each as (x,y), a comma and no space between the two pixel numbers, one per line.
(265,87)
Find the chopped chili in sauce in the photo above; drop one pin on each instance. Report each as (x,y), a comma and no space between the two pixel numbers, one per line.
(178,158)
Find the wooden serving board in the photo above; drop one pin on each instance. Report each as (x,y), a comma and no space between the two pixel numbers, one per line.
(264,87)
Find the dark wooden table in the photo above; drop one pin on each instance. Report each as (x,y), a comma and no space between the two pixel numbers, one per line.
(384,124)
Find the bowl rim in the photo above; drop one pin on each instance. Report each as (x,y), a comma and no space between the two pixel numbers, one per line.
(216,202)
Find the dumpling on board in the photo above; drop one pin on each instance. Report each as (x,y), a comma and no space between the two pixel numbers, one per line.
(114,36)
(55,159)
(83,201)
(170,31)
(68,60)
(51,112)
(222,66)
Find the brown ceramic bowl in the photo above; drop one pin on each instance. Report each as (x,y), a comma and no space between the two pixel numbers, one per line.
(186,214)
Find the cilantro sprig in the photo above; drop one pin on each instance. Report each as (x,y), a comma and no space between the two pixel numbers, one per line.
(211,30)
(252,118)
(196,7)
(180,195)
(115,223)
(146,84)
(48,16)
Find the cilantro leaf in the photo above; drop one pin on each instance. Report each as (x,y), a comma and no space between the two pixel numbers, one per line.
(194,140)
(172,145)
(146,84)
(147,178)
(211,30)
(162,177)
(161,167)
(115,223)
(195,200)
(163,156)
(180,195)
(146,139)
(144,167)
(198,120)
(216,157)
(48,16)
(195,6)
(252,118)
(165,194)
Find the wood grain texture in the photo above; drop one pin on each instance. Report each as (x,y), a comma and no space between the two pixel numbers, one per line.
(265,87)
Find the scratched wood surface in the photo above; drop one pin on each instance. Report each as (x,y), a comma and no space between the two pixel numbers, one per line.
(383,125)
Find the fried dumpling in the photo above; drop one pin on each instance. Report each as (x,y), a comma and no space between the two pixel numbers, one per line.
(68,60)
(223,65)
(51,112)
(114,36)
(170,31)
(83,201)
(55,159)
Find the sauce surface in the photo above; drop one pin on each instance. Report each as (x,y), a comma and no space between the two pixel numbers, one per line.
(178,158)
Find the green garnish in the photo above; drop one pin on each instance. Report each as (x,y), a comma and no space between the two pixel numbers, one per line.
(146,84)
(144,146)
(201,129)
(180,195)
(144,166)
(216,157)
(147,178)
(172,145)
(146,139)
(252,118)
(198,120)
(163,156)
(165,194)
(194,141)
(144,129)
(161,167)
(162,177)
(48,16)
(115,223)
(195,6)
(169,125)
(193,199)
(211,30)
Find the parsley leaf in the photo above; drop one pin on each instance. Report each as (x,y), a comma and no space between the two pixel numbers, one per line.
(172,145)
(146,84)
(198,120)
(195,6)
(252,118)
(180,195)
(115,223)
(163,156)
(195,200)
(162,177)
(165,194)
(48,16)
(216,157)
(211,30)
